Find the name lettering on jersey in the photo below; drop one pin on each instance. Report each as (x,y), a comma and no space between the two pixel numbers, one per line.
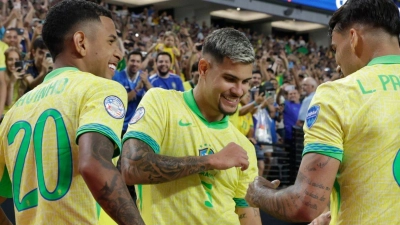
(388,82)
(114,106)
(53,88)
(138,115)
(312,115)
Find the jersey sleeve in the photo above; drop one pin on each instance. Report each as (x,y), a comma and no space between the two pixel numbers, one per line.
(149,121)
(102,110)
(247,176)
(323,123)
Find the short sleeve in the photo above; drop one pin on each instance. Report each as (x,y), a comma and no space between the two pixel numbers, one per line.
(323,123)
(102,110)
(149,121)
(247,176)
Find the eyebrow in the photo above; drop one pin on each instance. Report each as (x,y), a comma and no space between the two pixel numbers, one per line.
(113,37)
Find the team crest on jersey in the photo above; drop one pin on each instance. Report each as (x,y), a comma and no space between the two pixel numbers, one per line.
(312,115)
(114,106)
(206,151)
(138,115)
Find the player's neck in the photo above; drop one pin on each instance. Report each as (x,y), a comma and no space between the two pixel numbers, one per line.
(204,107)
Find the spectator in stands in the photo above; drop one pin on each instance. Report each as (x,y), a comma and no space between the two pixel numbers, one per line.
(11,38)
(164,78)
(291,113)
(256,79)
(168,45)
(135,81)
(190,84)
(41,64)
(169,144)
(15,81)
(309,85)
(351,157)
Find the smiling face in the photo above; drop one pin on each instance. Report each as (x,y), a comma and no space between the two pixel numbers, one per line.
(103,52)
(11,58)
(225,84)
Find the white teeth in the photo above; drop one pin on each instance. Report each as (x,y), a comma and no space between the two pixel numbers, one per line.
(112,67)
(231,99)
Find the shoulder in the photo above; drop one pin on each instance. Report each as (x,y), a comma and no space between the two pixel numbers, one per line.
(119,75)
(152,77)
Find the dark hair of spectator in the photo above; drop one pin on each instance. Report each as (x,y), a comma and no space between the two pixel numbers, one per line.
(12,49)
(64,16)
(256,71)
(164,53)
(195,67)
(12,29)
(39,43)
(375,13)
(135,53)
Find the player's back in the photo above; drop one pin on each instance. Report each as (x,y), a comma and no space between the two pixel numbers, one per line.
(369,176)
(38,145)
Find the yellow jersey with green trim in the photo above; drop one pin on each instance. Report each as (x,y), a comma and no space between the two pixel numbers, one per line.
(356,120)
(3,48)
(39,151)
(172,124)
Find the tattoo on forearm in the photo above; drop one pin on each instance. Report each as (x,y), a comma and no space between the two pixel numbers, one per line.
(283,203)
(141,161)
(114,196)
(242,216)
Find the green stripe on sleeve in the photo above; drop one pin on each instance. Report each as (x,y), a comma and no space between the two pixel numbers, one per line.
(104,130)
(2,69)
(98,208)
(5,185)
(324,149)
(140,195)
(336,185)
(240,203)
(143,137)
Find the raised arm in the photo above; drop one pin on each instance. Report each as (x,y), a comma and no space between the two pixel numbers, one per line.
(104,180)
(141,165)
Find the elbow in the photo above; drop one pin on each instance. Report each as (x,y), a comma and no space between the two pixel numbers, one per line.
(86,169)
(129,173)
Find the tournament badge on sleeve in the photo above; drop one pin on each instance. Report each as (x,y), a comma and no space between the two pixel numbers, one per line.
(138,115)
(114,107)
(312,115)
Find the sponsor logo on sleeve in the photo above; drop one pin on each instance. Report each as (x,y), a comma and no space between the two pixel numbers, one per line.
(312,115)
(114,107)
(138,115)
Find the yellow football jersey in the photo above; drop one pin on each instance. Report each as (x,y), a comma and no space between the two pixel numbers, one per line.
(172,124)
(361,129)
(39,151)
(246,123)
(3,48)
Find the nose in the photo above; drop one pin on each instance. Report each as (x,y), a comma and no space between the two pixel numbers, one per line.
(239,89)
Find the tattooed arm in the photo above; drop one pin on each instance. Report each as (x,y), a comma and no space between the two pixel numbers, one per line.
(140,165)
(303,201)
(104,180)
(248,216)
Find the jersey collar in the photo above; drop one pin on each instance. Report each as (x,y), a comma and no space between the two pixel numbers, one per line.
(191,102)
(58,71)
(387,59)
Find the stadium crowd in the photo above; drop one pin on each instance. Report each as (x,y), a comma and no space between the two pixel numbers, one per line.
(162,52)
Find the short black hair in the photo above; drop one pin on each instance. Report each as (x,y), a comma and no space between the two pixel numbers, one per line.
(164,53)
(256,71)
(39,43)
(195,67)
(135,53)
(64,16)
(375,13)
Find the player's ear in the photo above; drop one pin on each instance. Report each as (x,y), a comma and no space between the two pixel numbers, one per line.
(204,66)
(355,41)
(80,43)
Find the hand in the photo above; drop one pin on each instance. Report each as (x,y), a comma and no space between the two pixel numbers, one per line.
(18,75)
(47,65)
(139,86)
(268,101)
(323,219)
(144,75)
(258,98)
(230,156)
(257,188)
